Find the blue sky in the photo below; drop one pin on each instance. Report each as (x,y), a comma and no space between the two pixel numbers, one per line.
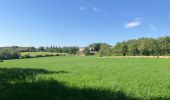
(81,22)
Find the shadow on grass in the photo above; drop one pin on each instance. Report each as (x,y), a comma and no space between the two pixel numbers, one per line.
(21,74)
(50,89)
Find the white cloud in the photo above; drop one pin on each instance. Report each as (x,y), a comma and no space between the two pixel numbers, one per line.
(95,9)
(138,21)
(132,24)
(82,8)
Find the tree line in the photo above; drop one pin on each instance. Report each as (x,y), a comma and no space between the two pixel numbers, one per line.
(134,47)
(143,47)
(70,50)
(14,51)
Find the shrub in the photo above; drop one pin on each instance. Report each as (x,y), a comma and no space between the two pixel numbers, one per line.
(57,54)
(39,56)
(48,55)
(86,51)
(92,53)
(105,50)
(73,50)
(9,55)
(26,56)
(15,55)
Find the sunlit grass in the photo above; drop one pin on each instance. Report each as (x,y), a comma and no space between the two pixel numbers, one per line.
(141,78)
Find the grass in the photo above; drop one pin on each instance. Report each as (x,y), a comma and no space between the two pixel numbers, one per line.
(85,78)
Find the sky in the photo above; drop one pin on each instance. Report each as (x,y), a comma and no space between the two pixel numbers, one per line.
(81,22)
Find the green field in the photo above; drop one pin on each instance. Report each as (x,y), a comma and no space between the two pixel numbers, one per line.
(85,78)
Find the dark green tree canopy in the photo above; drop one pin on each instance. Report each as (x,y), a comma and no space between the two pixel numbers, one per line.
(144,46)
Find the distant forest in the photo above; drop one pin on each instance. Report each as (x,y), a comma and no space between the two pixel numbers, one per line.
(135,47)
(144,46)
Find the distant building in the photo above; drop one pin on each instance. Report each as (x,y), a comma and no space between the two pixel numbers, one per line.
(81,51)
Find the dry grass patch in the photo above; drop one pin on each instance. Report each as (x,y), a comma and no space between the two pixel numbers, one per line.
(167,57)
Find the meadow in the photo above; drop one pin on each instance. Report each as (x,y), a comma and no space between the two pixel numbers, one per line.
(85,78)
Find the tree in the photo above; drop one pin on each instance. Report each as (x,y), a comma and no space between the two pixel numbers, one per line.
(9,55)
(164,44)
(41,49)
(86,51)
(133,47)
(116,49)
(146,46)
(105,50)
(31,49)
(121,48)
(124,48)
(73,50)
(95,46)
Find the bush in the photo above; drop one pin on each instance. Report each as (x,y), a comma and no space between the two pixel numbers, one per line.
(62,54)
(57,54)
(39,56)
(26,56)
(9,55)
(73,50)
(48,55)
(105,50)
(86,51)
(92,53)
(15,55)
